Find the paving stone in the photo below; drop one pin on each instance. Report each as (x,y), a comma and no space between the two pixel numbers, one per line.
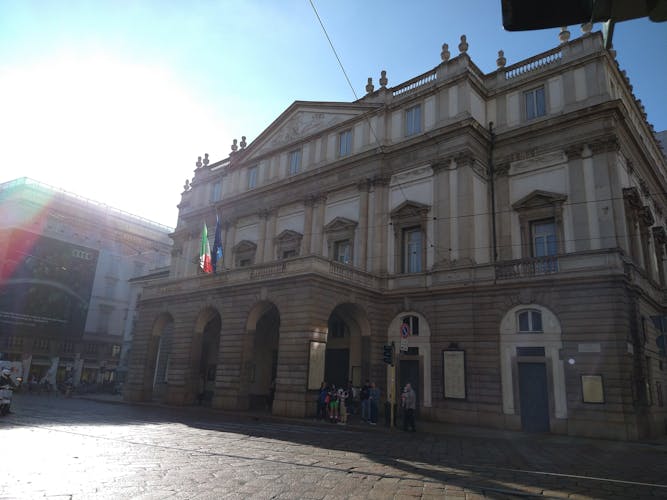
(104,451)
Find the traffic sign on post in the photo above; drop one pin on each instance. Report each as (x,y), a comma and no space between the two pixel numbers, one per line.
(405,330)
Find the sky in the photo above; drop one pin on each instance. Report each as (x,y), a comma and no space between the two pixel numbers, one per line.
(115,100)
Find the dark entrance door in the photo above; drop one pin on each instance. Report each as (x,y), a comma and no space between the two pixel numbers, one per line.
(337,366)
(534,397)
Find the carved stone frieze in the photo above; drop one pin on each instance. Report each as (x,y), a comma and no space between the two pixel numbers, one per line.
(364,185)
(632,198)
(660,235)
(574,151)
(646,216)
(605,145)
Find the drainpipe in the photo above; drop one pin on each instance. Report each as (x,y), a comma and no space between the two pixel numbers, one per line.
(493,192)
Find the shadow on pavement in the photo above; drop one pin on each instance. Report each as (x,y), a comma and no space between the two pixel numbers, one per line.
(498,464)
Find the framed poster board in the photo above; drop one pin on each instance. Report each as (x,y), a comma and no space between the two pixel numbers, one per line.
(454,374)
(592,389)
(316,364)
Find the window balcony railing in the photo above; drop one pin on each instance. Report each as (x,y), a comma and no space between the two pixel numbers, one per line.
(526,268)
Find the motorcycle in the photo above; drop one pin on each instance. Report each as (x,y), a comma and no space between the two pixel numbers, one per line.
(6,392)
(5,399)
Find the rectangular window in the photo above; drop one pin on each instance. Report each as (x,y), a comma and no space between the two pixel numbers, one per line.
(216,191)
(412,250)
(289,253)
(535,103)
(530,321)
(252,177)
(294,162)
(413,120)
(545,242)
(245,262)
(343,251)
(345,143)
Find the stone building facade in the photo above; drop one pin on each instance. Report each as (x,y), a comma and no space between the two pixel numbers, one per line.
(507,230)
(65,262)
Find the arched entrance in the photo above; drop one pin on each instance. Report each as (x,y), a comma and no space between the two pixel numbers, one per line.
(532,374)
(261,356)
(159,353)
(205,366)
(348,348)
(414,364)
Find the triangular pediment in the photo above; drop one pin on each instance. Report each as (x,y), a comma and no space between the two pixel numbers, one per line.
(539,199)
(245,246)
(340,224)
(301,120)
(409,209)
(288,235)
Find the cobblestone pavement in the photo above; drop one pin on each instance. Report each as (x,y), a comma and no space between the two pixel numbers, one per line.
(78,449)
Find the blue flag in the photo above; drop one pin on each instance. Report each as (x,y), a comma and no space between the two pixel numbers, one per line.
(216,254)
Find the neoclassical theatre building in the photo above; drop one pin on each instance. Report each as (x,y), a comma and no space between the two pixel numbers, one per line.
(505,230)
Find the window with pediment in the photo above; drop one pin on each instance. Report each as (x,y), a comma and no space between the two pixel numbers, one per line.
(288,244)
(340,239)
(541,227)
(244,253)
(409,221)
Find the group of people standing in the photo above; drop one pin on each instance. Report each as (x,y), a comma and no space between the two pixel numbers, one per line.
(336,403)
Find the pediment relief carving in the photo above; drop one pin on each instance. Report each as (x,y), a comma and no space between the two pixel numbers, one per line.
(340,224)
(410,209)
(288,236)
(539,199)
(245,246)
(303,120)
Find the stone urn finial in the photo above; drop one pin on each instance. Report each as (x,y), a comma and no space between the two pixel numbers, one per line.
(205,162)
(198,164)
(586,28)
(501,59)
(243,142)
(383,78)
(564,35)
(186,186)
(444,55)
(369,86)
(463,46)
(234,146)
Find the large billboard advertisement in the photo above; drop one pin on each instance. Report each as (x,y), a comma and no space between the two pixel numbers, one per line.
(45,285)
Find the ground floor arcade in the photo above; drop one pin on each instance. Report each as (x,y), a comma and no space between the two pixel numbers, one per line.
(573,359)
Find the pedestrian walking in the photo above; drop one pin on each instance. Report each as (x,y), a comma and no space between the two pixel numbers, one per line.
(409,403)
(374,398)
(365,402)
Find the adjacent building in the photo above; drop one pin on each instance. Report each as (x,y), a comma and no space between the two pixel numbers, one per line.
(505,232)
(65,303)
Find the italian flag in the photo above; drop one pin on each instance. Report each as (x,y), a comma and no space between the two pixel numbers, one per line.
(205,252)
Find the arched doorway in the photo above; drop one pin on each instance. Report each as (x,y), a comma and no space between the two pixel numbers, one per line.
(348,349)
(414,363)
(159,355)
(205,363)
(261,356)
(532,374)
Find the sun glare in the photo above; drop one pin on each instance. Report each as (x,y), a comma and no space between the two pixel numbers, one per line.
(105,129)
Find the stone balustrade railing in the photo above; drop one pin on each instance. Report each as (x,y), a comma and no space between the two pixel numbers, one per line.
(591,263)
(414,83)
(533,64)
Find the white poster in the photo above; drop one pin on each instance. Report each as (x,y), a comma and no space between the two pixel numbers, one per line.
(316,365)
(454,373)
